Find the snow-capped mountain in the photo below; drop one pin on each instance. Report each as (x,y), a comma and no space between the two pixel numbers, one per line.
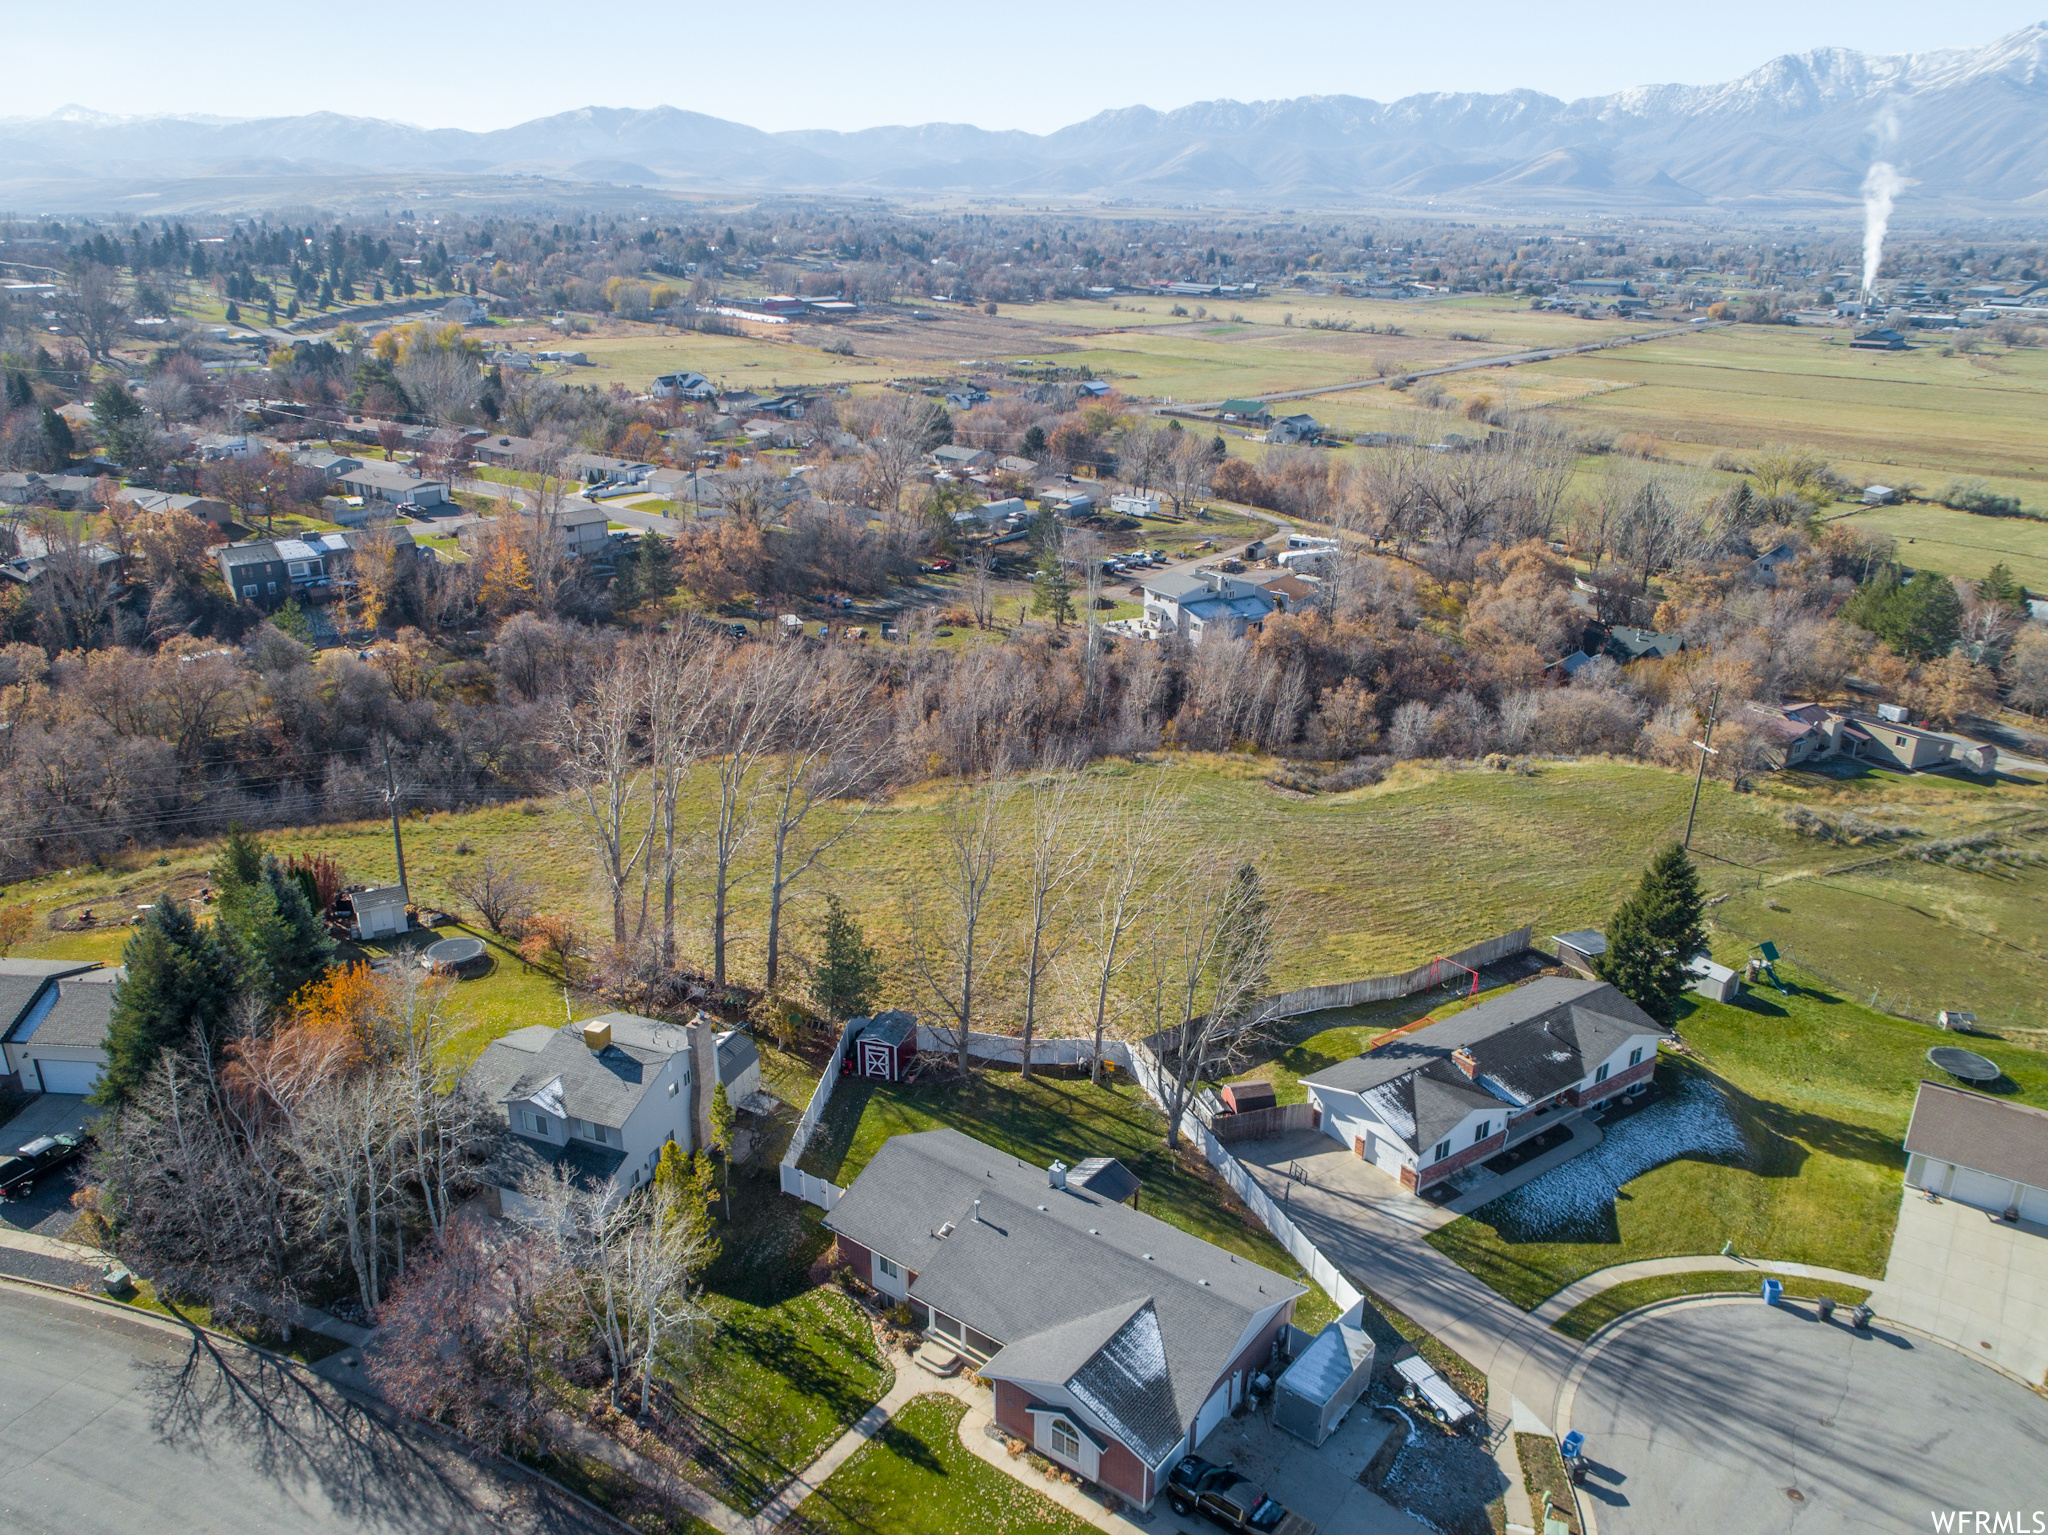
(1967,126)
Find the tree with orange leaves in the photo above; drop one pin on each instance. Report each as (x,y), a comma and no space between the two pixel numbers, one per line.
(340,1008)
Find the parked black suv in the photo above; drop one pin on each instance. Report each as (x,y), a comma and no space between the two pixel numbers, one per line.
(1235,1502)
(38,1159)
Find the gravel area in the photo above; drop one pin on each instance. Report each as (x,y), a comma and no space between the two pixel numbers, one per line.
(1446,1481)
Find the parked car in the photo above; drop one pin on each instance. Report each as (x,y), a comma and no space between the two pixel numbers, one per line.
(1225,1498)
(38,1159)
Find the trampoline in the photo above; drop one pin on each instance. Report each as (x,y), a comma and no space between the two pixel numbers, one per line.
(463,957)
(1965,1065)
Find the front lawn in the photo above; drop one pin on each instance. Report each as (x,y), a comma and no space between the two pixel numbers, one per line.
(771,1387)
(916,1478)
(1821,1089)
(1589,1316)
(1042,1118)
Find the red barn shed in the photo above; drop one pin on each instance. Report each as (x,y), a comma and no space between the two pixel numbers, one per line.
(883,1047)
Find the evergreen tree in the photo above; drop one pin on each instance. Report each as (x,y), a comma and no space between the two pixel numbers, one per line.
(1920,618)
(721,1138)
(1053,593)
(1997,586)
(239,863)
(178,985)
(267,926)
(849,972)
(1654,934)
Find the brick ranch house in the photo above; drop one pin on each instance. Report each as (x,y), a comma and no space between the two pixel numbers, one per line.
(1427,1105)
(1114,1341)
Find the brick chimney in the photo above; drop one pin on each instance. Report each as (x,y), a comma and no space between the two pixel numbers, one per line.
(1465,1061)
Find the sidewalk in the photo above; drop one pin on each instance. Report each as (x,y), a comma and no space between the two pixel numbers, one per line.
(1585,1289)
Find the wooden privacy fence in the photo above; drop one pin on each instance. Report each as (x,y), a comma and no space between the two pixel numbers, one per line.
(1264,1124)
(1384,988)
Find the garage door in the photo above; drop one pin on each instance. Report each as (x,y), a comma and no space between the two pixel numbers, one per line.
(68,1076)
(2034,1205)
(1981,1189)
(1212,1412)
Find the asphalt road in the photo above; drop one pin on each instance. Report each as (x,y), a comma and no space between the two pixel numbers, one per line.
(1707,1419)
(108,1424)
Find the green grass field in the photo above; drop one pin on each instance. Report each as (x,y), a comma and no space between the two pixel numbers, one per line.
(1821,1089)
(1963,544)
(916,1478)
(1897,417)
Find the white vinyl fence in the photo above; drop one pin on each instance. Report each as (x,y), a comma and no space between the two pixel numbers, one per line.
(795,1180)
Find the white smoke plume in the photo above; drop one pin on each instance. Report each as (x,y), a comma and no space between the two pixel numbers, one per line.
(1880,186)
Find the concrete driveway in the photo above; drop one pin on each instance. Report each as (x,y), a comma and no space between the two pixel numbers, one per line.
(1973,1282)
(1319,1484)
(118,1425)
(1720,1416)
(1372,1229)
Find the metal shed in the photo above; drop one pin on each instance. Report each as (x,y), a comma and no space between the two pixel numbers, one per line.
(1577,951)
(1315,1392)
(1712,980)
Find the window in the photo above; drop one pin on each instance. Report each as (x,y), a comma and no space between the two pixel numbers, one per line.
(672,1089)
(1443,1149)
(604,1135)
(1485,1129)
(1635,1056)
(1064,1440)
(537,1124)
(248,591)
(887,1268)
(1601,1074)
(273,587)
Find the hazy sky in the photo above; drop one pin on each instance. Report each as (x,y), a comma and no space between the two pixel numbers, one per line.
(808,64)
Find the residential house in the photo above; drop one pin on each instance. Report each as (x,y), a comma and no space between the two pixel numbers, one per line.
(1979,1150)
(20,488)
(1093,389)
(1792,734)
(1250,412)
(23,986)
(961,459)
(1881,339)
(585,528)
(64,491)
(1205,602)
(1115,1343)
(683,386)
(1291,592)
(56,1039)
(1023,468)
(392,484)
(518,452)
(1427,1105)
(270,571)
(212,447)
(1295,428)
(205,508)
(1894,743)
(1626,644)
(993,514)
(965,399)
(601,1098)
(602,469)
(464,310)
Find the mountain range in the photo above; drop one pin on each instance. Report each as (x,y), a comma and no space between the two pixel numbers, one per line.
(1968,127)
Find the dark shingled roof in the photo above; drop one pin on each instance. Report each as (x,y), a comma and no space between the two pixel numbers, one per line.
(1045,1282)
(2007,1140)
(1105,1176)
(83,1010)
(890,1028)
(1530,1043)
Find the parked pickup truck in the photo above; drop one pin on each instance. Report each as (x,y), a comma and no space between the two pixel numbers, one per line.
(1224,1498)
(39,1158)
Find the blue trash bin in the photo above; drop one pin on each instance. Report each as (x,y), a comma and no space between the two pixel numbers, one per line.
(1572,1443)
(1772,1290)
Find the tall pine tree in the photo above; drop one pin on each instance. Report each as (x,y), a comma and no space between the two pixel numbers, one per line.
(1654,933)
(178,983)
(849,972)
(266,924)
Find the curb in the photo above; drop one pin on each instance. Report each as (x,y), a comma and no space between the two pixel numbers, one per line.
(446,1435)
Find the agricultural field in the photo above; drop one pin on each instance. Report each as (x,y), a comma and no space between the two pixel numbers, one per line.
(1902,418)
(1963,544)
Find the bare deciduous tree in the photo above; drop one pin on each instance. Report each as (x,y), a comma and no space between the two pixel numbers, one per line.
(1127,845)
(605,769)
(1057,859)
(954,943)
(501,894)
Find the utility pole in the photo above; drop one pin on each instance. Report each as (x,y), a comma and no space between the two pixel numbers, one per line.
(1706,750)
(391,799)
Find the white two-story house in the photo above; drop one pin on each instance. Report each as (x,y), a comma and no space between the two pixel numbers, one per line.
(1427,1105)
(601,1098)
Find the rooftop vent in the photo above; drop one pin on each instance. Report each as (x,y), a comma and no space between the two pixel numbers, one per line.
(944,1231)
(977,1212)
(597,1034)
(1056,1175)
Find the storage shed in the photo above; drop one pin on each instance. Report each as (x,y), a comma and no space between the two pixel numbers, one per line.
(1577,951)
(1326,1378)
(1243,1097)
(378,913)
(1712,980)
(882,1047)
